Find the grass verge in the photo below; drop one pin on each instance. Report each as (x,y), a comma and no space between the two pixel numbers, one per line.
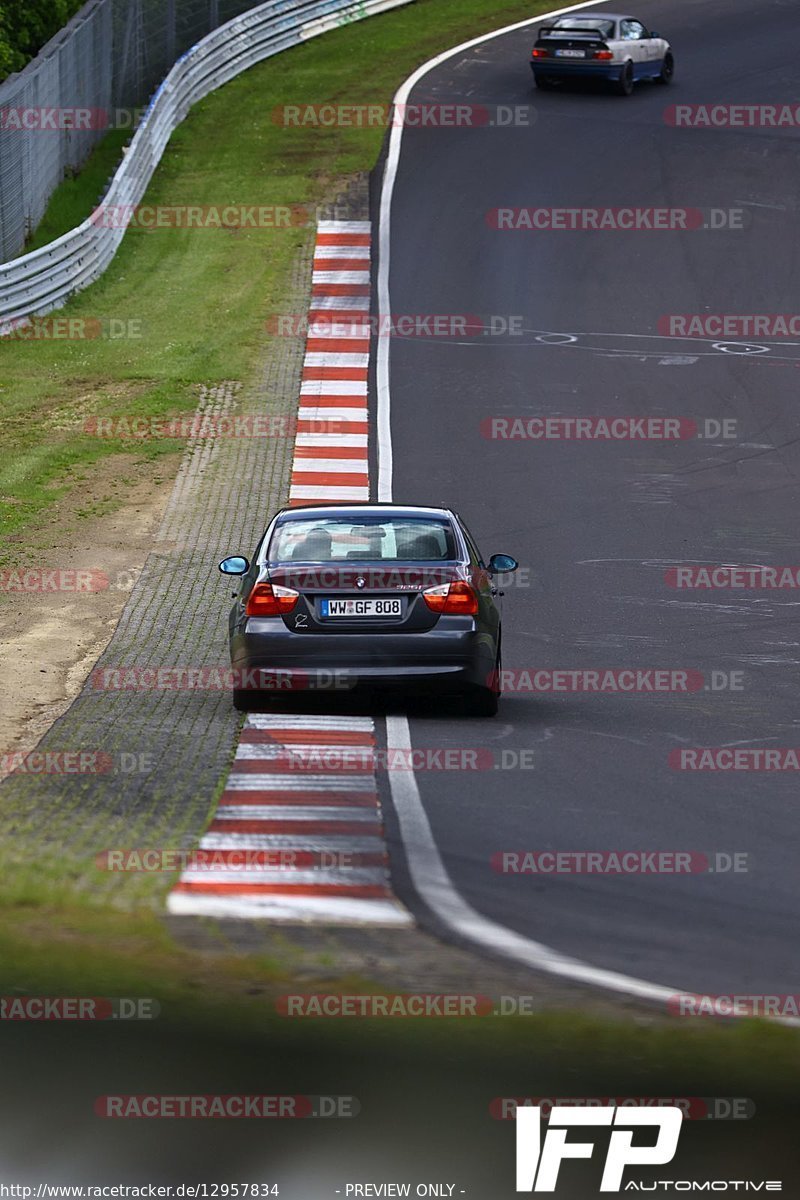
(73,952)
(188,306)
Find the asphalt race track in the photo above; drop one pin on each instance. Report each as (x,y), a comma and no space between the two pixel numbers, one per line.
(597,524)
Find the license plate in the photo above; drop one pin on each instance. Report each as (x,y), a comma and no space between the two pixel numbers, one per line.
(571,53)
(361,608)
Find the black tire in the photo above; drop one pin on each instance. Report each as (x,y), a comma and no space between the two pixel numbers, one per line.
(481,702)
(624,85)
(243,699)
(543,84)
(667,69)
(484,701)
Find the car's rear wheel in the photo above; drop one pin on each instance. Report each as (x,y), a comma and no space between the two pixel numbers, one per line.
(624,85)
(543,83)
(244,699)
(484,701)
(667,70)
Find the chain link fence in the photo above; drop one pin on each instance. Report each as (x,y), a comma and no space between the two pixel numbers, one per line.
(92,75)
(44,279)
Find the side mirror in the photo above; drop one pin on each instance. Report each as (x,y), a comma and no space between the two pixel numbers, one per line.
(653,34)
(500,564)
(235,565)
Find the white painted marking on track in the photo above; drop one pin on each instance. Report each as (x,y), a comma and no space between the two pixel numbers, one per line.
(318,413)
(333,387)
(334,276)
(250,781)
(339,328)
(327,227)
(313,877)
(326,492)
(338,466)
(308,721)
(330,440)
(297,812)
(335,359)
(359,304)
(368,841)
(328,910)
(342,251)
(249,750)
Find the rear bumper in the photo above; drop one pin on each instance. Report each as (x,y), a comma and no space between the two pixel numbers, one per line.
(576,70)
(447,659)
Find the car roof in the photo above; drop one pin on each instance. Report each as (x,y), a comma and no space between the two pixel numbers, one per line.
(379,509)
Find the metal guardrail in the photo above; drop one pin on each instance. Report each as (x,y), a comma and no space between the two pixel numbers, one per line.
(94,74)
(38,282)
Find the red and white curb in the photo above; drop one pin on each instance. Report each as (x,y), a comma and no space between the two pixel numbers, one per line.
(291,792)
(271,804)
(330,458)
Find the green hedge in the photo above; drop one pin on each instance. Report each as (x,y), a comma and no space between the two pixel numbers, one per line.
(26,25)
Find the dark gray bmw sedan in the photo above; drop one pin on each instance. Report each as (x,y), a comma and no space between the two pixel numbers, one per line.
(367,595)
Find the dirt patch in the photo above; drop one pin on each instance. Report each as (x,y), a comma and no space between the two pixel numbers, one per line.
(81,568)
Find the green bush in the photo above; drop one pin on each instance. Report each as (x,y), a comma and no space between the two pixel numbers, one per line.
(25,26)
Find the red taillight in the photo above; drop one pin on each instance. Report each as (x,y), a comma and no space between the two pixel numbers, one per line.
(270,600)
(452,599)
(604,54)
(538,53)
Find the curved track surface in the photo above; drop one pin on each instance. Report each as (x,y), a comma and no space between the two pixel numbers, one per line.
(598,524)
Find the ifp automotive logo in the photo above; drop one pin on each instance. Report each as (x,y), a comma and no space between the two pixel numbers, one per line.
(539,1160)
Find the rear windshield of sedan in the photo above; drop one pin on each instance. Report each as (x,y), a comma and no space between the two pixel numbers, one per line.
(337,540)
(585,23)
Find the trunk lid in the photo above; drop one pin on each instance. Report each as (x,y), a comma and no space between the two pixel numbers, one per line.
(376,597)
